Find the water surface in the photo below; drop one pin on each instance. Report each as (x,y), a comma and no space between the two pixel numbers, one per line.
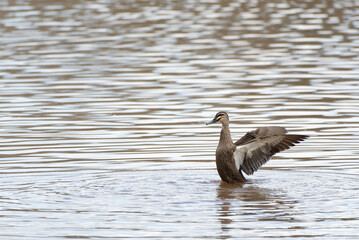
(103,108)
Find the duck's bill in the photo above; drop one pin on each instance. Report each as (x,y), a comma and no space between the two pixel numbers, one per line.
(213,121)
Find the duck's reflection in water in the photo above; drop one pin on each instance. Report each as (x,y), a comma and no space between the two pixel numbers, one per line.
(239,204)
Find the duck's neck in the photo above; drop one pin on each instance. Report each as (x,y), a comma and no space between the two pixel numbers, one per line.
(225,137)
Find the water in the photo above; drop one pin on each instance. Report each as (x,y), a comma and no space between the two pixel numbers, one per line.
(103,105)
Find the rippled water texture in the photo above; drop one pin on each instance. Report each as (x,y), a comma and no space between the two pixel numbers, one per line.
(103,105)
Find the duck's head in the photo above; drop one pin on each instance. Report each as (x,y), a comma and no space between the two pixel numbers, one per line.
(220,116)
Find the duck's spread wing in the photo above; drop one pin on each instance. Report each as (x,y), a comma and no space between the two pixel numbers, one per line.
(256,147)
(246,139)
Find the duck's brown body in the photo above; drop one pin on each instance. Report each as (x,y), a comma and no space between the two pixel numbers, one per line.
(251,151)
(226,166)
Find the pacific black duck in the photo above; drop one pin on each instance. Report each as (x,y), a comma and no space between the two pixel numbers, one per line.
(250,152)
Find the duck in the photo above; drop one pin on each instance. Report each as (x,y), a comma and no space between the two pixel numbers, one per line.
(251,151)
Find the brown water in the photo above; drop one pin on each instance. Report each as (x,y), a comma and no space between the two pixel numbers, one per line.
(103,105)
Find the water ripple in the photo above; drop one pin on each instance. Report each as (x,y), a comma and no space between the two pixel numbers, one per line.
(103,109)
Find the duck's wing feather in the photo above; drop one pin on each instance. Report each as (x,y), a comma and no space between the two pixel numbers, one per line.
(256,147)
